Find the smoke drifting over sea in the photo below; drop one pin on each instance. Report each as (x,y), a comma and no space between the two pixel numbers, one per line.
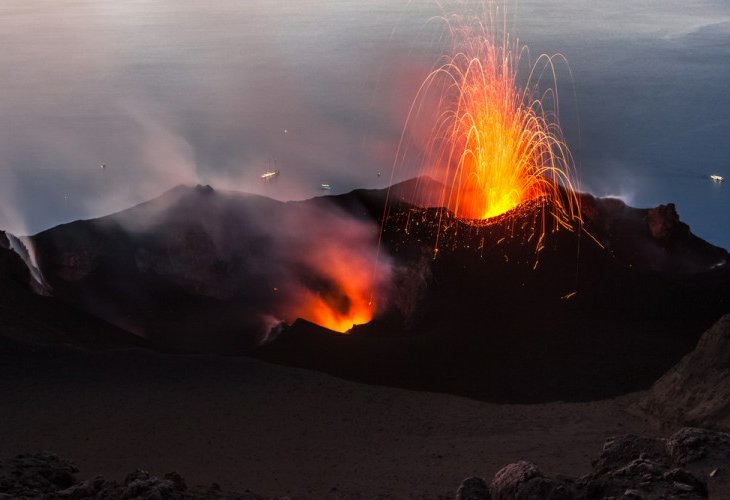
(163,93)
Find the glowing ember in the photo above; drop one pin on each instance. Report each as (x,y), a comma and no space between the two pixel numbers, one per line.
(494,144)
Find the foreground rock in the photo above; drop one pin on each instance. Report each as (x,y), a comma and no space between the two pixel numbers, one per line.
(32,476)
(697,390)
(629,466)
(46,476)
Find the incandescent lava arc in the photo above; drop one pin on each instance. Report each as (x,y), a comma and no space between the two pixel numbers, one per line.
(494,143)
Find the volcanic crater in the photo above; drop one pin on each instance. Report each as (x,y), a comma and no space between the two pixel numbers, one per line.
(475,310)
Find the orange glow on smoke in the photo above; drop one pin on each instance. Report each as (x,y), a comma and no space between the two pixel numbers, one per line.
(494,144)
(344,297)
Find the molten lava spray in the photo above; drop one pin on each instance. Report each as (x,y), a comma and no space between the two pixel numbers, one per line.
(495,144)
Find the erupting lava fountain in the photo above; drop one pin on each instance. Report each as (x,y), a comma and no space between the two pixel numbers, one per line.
(495,144)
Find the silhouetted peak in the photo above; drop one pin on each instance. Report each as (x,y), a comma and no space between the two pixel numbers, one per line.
(422,191)
(204,189)
(663,222)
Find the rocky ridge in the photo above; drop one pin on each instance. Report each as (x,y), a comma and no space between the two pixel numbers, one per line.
(697,390)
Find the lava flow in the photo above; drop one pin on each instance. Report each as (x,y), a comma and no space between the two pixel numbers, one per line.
(494,144)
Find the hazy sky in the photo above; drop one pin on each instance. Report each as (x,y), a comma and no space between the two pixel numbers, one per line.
(166,92)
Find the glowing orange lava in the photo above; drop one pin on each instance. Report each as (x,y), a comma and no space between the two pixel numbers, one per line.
(342,298)
(494,144)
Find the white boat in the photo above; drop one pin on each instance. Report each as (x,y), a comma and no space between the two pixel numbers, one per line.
(267,176)
(716,178)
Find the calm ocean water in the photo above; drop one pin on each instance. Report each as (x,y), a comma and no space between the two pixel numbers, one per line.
(163,92)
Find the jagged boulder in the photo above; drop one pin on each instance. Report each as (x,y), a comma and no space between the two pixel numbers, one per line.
(524,481)
(643,478)
(691,445)
(622,450)
(629,466)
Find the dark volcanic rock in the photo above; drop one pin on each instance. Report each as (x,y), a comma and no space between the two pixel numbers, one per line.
(12,266)
(45,476)
(691,445)
(644,478)
(697,390)
(143,486)
(524,481)
(16,263)
(620,451)
(653,238)
(34,475)
(664,223)
(473,488)
(629,466)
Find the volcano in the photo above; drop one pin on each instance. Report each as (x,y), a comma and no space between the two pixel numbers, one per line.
(597,312)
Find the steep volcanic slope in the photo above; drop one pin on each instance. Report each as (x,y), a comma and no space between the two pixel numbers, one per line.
(487,317)
(180,270)
(697,390)
(29,317)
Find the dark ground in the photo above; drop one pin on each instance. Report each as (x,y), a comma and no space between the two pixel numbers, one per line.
(250,425)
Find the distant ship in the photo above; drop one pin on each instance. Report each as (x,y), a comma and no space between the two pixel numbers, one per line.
(267,176)
(325,187)
(716,178)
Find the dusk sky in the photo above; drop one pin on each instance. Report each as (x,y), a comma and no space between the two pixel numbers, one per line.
(165,92)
